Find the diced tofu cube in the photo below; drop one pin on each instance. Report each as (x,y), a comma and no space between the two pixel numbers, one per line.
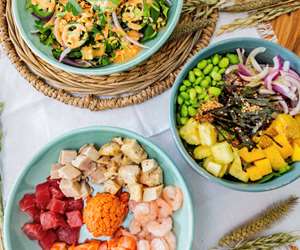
(70,188)
(149,165)
(129,173)
(152,178)
(111,170)
(91,152)
(82,162)
(136,192)
(110,149)
(69,172)
(67,156)
(152,193)
(54,171)
(190,132)
(118,140)
(202,152)
(222,152)
(213,167)
(111,186)
(207,133)
(133,150)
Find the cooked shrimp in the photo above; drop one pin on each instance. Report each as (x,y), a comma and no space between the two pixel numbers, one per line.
(164,209)
(170,238)
(135,226)
(145,212)
(159,244)
(143,245)
(132,204)
(173,196)
(145,235)
(160,228)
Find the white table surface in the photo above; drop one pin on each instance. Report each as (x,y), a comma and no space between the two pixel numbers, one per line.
(30,120)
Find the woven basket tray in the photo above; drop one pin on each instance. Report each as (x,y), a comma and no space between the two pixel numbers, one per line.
(102,92)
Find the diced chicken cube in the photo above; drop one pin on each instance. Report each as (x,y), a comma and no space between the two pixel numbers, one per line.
(82,162)
(129,173)
(126,161)
(70,188)
(152,193)
(104,160)
(69,172)
(136,192)
(110,149)
(111,170)
(111,186)
(98,176)
(92,168)
(85,190)
(67,156)
(133,150)
(54,171)
(149,165)
(118,140)
(90,151)
(152,178)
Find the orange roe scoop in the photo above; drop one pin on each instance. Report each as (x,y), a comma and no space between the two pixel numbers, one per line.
(104,213)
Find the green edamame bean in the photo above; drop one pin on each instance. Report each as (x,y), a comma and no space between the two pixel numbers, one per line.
(214,83)
(192,77)
(202,64)
(209,61)
(222,71)
(184,111)
(192,111)
(184,95)
(194,102)
(182,88)
(198,81)
(208,69)
(204,83)
(224,63)
(184,120)
(216,76)
(233,58)
(178,119)
(193,94)
(214,91)
(208,78)
(197,72)
(179,100)
(187,83)
(215,69)
(206,98)
(216,59)
(198,89)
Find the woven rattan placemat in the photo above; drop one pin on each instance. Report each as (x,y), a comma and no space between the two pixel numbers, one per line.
(102,92)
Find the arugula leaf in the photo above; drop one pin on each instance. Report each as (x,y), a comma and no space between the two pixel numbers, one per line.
(149,33)
(102,19)
(73,7)
(165,8)
(104,60)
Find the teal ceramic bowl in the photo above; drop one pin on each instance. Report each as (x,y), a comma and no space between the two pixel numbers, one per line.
(38,170)
(25,24)
(223,47)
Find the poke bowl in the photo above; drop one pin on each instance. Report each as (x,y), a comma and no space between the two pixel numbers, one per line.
(235,114)
(95,37)
(99,188)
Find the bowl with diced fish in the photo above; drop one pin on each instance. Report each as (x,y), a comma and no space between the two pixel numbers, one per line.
(235,114)
(95,37)
(99,188)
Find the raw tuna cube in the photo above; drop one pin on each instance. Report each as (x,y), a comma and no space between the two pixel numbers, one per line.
(51,220)
(74,205)
(34,213)
(48,240)
(74,218)
(68,235)
(42,195)
(57,206)
(34,231)
(28,201)
(56,193)
(53,183)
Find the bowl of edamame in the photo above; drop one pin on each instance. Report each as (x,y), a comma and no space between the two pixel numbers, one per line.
(203,85)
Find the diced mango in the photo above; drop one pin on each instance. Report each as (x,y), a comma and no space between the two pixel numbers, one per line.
(264,166)
(190,132)
(265,141)
(296,141)
(222,152)
(296,153)
(285,148)
(213,167)
(297,117)
(271,131)
(236,168)
(202,152)
(275,158)
(254,155)
(285,124)
(207,133)
(254,173)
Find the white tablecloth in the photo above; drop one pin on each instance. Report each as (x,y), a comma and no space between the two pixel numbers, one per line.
(30,120)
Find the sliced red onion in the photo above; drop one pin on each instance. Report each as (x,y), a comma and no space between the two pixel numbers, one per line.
(257,77)
(128,38)
(64,54)
(242,69)
(296,109)
(231,69)
(266,92)
(77,63)
(284,106)
(286,66)
(251,58)
(270,77)
(294,74)
(278,62)
(241,53)
(284,91)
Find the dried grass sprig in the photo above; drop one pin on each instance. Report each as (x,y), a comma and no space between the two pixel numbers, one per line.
(260,16)
(188,28)
(261,222)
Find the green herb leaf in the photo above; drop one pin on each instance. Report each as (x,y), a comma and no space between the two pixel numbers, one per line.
(102,20)
(73,7)
(155,11)
(164,7)
(149,33)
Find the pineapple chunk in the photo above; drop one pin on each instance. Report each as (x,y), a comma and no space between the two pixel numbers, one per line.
(208,134)
(222,152)
(236,169)
(214,168)
(202,152)
(190,132)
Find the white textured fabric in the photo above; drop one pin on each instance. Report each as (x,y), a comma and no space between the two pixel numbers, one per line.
(30,120)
